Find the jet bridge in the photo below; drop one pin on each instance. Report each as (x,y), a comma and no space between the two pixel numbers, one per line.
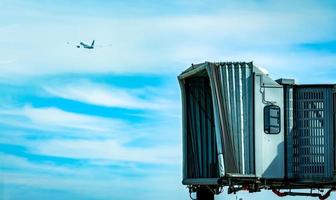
(244,130)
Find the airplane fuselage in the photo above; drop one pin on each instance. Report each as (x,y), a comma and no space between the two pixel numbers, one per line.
(86,46)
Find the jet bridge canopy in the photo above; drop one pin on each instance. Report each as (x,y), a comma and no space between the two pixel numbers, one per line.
(218,119)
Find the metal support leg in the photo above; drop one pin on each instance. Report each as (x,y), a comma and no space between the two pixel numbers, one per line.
(204,193)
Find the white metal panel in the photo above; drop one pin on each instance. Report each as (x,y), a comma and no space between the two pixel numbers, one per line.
(269,148)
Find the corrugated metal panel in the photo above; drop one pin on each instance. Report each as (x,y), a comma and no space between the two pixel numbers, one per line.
(313,134)
(218,119)
(236,88)
(224,139)
(218,115)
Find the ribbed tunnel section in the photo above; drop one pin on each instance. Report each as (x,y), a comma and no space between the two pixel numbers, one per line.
(218,119)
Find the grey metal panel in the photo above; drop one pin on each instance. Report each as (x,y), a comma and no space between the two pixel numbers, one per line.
(269,148)
(223,136)
(289,128)
(193,70)
(201,181)
(247,96)
(236,85)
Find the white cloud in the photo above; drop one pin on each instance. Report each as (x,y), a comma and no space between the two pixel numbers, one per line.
(22,163)
(98,139)
(57,120)
(107,150)
(103,95)
(85,180)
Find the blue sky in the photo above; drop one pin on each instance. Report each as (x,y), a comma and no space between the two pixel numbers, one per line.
(105,124)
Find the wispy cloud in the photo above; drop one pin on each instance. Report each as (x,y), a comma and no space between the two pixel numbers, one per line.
(104,95)
(107,150)
(92,138)
(57,120)
(85,181)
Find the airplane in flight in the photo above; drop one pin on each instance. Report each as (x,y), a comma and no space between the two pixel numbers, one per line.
(86,46)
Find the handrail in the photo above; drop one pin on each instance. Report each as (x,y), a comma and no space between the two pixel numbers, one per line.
(320,196)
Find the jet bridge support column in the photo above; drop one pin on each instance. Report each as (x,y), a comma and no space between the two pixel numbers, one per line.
(204,193)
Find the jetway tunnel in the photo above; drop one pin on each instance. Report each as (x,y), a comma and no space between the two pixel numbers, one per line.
(242,128)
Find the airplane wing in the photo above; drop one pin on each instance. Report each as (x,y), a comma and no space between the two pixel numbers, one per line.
(72,44)
(107,45)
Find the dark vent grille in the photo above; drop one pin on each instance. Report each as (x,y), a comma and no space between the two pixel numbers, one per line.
(312,136)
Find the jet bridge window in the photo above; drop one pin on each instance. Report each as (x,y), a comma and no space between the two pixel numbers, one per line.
(272,119)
